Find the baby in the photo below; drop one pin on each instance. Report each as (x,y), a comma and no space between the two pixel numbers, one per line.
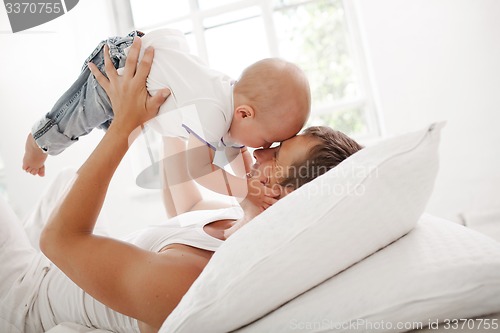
(269,103)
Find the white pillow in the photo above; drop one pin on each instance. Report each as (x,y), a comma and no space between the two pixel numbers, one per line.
(368,201)
(439,271)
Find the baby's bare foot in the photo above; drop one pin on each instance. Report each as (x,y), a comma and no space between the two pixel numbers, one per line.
(34,158)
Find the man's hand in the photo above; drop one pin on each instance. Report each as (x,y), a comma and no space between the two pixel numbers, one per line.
(131,102)
(260,195)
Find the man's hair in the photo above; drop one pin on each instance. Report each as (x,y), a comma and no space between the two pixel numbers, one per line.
(332,148)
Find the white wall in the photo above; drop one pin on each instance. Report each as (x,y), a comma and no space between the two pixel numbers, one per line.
(440,60)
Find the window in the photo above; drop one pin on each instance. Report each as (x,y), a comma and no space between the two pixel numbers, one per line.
(318,35)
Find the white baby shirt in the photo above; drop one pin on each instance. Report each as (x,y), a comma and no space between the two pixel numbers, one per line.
(202,99)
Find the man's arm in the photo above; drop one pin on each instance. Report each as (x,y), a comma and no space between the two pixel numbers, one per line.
(135,282)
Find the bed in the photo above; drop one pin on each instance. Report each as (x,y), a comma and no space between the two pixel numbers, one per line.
(440,272)
(366,258)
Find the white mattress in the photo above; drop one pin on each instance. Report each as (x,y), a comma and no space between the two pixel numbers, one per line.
(440,270)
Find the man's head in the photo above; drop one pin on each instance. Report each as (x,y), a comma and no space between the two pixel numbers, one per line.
(302,158)
(333,147)
(272,102)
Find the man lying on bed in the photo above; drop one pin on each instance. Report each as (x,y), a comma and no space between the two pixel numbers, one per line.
(119,286)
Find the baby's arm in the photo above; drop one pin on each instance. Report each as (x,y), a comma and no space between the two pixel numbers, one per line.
(200,158)
(247,159)
(180,192)
(240,161)
(204,172)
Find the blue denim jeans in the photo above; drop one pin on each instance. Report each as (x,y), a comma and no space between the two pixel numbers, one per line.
(85,105)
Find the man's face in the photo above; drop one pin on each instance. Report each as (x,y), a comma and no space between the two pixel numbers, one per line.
(272,165)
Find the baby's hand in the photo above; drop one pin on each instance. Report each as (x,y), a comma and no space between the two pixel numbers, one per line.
(260,195)
(34,158)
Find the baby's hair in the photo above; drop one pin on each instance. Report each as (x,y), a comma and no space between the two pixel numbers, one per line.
(274,86)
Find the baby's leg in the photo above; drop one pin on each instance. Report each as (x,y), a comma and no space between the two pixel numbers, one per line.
(78,111)
(83,107)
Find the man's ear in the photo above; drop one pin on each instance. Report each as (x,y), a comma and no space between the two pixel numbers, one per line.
(244,111)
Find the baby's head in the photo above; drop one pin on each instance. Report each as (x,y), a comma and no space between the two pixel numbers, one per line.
(272,101)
